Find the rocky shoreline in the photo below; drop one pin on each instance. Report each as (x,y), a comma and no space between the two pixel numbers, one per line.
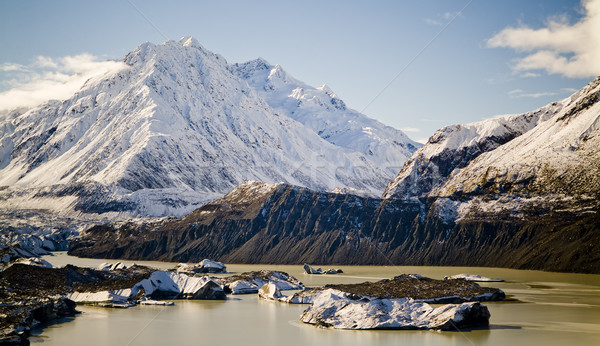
(58,290)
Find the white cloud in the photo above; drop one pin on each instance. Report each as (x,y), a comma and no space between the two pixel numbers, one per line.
(10,67)
(571,50)
(47,78)
(410,129)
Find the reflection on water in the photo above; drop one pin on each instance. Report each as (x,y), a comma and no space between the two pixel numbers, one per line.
(552,309)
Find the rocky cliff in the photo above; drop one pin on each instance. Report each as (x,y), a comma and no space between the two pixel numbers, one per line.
(277,223)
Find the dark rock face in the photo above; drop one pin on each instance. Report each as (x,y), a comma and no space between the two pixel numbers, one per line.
(210,291)
(16,323)
(294,225)
(291,225)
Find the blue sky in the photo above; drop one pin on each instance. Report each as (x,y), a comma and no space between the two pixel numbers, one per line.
(442,66)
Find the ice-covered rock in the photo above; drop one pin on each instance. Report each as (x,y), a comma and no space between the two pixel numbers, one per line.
(165,284)
(340,310)
(205,266)
(146,301)
(106,298)
(106,266)
(471,277)
(243,287)
(14,253)
(251,282)
(35,261)
(269,291)
(302,297)
(310,270)
(213,266)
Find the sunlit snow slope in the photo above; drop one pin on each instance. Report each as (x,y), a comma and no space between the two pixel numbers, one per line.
(177,126)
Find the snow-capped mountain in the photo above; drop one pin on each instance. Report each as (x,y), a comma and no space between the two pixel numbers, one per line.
(177,126)
(324,112)
(518,191)
(453,148)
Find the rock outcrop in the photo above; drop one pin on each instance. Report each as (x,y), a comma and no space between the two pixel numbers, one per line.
(172,285)
(310,270)
(251,282)
(472,277)
(205,266)
(423,289)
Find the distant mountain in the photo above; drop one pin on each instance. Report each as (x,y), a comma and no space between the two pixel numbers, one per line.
(179,126)
(551,150)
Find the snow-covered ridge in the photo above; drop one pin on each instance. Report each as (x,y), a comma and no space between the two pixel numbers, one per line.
(453,147)
(180,126)
(558,156)
(324,112)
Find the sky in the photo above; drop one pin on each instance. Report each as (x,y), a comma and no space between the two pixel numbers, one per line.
(413,65)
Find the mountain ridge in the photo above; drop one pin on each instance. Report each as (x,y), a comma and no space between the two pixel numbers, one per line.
(175,119)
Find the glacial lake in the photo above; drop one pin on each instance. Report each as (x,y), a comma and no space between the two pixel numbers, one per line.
(545,308)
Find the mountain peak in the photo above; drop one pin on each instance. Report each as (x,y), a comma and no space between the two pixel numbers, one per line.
(189,41)
(277,72)
(326,89)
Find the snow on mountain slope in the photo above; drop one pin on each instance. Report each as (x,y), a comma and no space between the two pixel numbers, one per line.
(173,129)
(560,156)
(323,111)
(454,147)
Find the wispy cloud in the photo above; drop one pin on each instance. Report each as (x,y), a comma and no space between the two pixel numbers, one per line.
(410,129)
(515,92)
(431,21)
(571,50)
(49,78)
(450,15)
(519,93)
(443,18)
(529,75)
